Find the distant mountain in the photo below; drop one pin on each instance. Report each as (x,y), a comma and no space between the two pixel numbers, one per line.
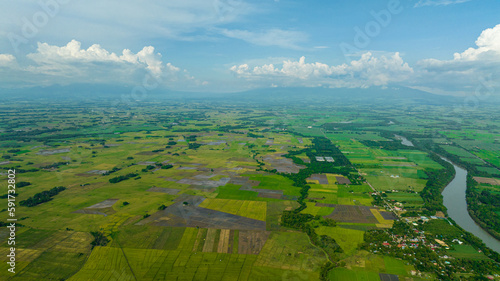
(92,92)
(371,95)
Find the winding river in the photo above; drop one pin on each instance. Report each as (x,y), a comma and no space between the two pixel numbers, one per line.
(454,200)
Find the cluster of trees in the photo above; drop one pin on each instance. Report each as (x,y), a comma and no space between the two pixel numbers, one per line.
(193,145)
(167,166)
(148,168)
(437,181)
(307,222)
(55,165)
(122,178)
(483,206)
(190,138)
(22,184)
(252,135)
(42,197)
(100,239)
(481,267)
(115,169)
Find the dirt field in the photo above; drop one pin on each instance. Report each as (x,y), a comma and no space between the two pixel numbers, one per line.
(171,191)
(50,152)
(282,165)
(209,240)
(321,178)
(388,215)
(191,215)
(350,213)
(491,181)
(103,208)
(388,277)
(251,242)
(104,204)
(224,242)
(270,195)
(343,180)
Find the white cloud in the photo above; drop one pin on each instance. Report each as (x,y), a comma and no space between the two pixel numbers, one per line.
(368,71)
(272,37)
(6,59)
(423,3)
(49,55)
(71,63)
(468,69)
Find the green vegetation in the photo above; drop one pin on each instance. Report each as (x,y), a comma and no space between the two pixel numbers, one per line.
(42,197)
(232,192)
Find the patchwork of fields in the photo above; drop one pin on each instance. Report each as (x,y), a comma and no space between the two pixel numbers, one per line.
(200,193)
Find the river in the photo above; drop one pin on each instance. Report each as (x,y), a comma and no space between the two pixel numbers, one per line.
(454,201)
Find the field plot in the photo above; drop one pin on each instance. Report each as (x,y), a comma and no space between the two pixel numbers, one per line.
(320,178)
(102,208)
(343,274)
(251,242)
(314,210)
(382,221)
(412,199)
(187,212)
(281,164)
(164,265)
(249,209)
(393,180)
(352,214)
(56,257)
(270,183)
(291,251)
(326,197)
(348,239)
(466,252)
(491,181)
(171,191)
(151,237)
(275,210)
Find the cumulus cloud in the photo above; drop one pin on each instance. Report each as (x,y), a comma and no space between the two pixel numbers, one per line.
(6,59)
(368,71)
(423,3)
(51,56)
(467,69)
(273,37)
(71,63)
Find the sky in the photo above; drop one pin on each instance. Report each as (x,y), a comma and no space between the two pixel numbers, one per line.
(449,47)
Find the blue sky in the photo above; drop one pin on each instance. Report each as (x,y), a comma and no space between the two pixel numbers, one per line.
(441,46)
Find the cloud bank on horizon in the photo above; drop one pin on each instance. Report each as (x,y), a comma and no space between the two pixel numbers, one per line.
(231,45)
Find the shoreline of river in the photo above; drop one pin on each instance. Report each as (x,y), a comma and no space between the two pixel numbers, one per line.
(460,213)
(458,210)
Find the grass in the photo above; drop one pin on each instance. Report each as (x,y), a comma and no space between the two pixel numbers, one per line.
(320,211)
(343,274)
(47,251)
(53,257)
(348,239)
(466,252)
(249,209)
(151,237)
(290,250)
(147,264)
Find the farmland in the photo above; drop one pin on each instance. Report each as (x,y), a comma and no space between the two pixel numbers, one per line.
(183,191)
